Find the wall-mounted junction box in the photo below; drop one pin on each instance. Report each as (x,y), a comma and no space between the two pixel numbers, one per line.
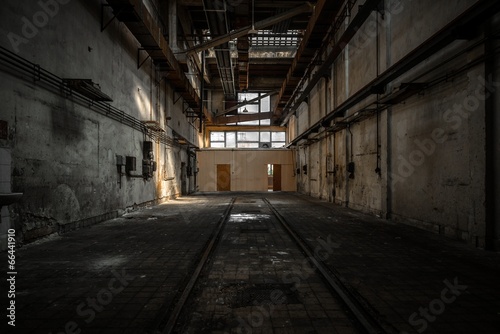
(130,164)
(120,160)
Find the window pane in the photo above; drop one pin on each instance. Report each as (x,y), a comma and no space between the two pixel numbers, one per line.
(278,136)
(218,145)
(248,145)
(247,96)
(250,109)
(217,136)
(265,122)
(248,136)
(278,144)
(231,139)
(249,123)
(265,136)
(265,104)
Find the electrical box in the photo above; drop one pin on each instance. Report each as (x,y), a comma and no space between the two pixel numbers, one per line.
(130,163)
(147,170)
(120,161)
(147,146)
(350,167)
(153,166)
(147,149)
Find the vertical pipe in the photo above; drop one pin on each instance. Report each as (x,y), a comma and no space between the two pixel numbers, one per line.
(334,88)
(377,169)
(346,175)
(152,79)
(346,78)
(202,91)
(172,25)
(327,141)
(389,187)
(490,148)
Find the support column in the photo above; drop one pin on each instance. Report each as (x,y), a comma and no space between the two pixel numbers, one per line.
(492,121)
(172,25)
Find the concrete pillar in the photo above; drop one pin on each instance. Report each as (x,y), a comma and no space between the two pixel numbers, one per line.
(172,25)
(492,122)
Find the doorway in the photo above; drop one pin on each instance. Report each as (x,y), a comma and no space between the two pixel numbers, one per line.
(273,177)
(224,177)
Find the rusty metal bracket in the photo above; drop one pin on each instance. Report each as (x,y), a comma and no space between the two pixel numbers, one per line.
(177,99)
(139,63)
(105,25)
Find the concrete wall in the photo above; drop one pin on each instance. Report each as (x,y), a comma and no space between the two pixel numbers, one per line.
(248,168)
(63,152)
(421,162)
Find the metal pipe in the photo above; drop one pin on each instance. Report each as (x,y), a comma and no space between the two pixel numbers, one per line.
(438,41)
(353,27)
(491,151)
(56,85)
(216,41)
(202,91)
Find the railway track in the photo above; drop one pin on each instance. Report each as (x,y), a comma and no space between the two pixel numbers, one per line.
(274,225)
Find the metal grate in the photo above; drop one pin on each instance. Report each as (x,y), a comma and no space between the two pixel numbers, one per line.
(268,38)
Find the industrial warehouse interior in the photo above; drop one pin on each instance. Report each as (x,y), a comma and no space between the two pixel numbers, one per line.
(250,166)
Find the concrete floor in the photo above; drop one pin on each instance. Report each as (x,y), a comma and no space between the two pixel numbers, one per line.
(123,276)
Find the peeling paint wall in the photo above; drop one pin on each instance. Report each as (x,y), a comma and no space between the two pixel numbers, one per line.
(420,162)
(63,152)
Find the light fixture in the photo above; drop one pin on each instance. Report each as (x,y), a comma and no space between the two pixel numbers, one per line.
(245,110)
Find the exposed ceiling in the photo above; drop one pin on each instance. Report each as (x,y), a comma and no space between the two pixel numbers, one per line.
(264,57)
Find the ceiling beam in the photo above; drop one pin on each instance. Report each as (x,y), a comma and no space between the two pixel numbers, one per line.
(147,32)
(186,24)
(244,128)
(353,27)
(323,12)
(228,110)
(219,40)
(472,17)
(243,118)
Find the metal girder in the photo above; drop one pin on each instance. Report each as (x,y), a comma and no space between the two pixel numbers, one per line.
(105,25)
(186,24)
(219,40)
(243,118)
(323,12)
(147,32)
(469,19)
(228,110)
(363,13)
(217,22)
